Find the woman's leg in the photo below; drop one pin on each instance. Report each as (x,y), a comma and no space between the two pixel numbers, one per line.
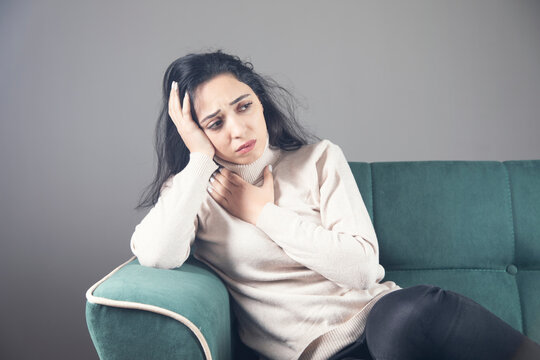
(356,351)
(427,322)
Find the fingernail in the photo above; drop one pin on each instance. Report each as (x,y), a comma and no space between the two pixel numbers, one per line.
(174,85)
(212,179)
(209,188)
(270,167)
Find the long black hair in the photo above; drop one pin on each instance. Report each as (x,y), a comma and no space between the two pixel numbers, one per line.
(190,71)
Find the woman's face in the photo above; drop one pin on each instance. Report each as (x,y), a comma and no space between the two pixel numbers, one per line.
(230,115)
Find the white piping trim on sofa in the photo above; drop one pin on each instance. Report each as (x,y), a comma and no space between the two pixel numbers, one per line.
(140,306)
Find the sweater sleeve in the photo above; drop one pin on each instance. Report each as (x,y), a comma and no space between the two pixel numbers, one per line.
(344,248)
(164,237)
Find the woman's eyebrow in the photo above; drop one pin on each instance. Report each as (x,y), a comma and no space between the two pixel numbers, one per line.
(238,99)
(217,112)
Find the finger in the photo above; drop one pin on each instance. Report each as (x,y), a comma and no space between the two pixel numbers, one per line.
(221,187)
(173,101)
(216,195)
(171,98)
(232,177)
(185,105)
(223,180)
(213,194)
(236,179)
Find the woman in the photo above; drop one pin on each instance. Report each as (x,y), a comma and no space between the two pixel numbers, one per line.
(283,223)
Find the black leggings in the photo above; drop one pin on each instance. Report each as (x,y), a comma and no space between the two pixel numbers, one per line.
(427,322)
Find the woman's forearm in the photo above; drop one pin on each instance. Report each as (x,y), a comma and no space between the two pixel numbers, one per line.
(164,236)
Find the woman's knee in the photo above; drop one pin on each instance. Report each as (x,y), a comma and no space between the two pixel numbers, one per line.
(407,316)
(422,321)
(409,304)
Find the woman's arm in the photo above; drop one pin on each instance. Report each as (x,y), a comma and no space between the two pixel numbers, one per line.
(344,249)
(164,236)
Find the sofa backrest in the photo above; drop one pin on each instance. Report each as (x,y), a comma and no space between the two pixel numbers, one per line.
(467,226)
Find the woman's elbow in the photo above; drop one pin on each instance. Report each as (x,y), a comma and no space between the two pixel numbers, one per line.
(152,255)
(161,262)
(158,259)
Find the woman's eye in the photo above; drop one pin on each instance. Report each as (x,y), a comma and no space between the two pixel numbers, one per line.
(245,106)
(214,126)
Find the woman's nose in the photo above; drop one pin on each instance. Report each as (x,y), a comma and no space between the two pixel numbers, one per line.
(237,126)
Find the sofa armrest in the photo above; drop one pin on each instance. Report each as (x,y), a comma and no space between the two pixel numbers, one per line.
(138,312)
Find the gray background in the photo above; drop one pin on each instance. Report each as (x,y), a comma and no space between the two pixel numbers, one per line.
(80,94)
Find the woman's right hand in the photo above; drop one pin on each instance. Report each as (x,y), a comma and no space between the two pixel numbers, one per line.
(193,136)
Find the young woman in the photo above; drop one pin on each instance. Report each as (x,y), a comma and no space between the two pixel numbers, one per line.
(282,222)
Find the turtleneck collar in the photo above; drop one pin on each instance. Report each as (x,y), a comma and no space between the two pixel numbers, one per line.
(253,172)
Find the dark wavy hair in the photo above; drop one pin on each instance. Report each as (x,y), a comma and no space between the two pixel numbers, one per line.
(194,69)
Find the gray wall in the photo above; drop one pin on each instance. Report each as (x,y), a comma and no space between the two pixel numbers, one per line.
(80,93)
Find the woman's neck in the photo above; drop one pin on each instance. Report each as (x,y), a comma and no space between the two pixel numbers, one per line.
(253,172)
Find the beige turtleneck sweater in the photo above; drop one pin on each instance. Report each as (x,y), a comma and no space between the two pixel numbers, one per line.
(304,278)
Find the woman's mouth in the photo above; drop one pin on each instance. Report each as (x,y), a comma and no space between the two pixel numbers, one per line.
(247,147)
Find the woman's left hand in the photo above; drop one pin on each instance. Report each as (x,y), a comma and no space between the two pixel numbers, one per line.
(240,198)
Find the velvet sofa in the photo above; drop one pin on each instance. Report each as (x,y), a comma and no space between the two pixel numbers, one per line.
(468,226)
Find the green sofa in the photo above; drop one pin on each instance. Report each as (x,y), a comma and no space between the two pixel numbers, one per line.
(468,226)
